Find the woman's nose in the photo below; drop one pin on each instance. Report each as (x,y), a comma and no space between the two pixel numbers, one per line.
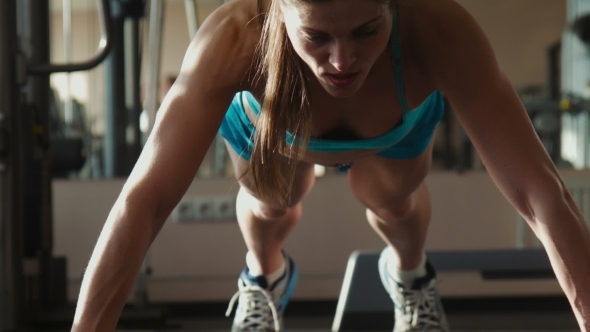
(342,56)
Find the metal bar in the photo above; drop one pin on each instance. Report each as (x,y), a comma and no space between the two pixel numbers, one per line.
(115,141)
(192,18)
(67,37)
(104,48)
(155,29)
(40,188)
(132,89)
(11,203)
(553,70)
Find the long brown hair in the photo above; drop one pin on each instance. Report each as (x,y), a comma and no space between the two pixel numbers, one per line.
(285,108)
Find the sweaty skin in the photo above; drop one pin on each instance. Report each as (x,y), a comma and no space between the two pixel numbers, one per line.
(443,49)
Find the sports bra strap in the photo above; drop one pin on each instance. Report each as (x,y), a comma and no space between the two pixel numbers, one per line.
(396,50)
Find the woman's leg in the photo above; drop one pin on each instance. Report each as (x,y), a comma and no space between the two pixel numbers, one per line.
(398,209)
(405,232)
(265,228)
(397,201)
(266,286)
(266,225)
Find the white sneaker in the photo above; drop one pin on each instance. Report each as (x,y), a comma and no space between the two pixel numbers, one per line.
(260,305)
(418,309)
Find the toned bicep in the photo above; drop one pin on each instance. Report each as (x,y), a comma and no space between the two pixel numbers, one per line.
(189,117)
(490,111)
(176,148)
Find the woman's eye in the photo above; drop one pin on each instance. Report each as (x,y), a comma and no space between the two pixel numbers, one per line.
(324,38)
(318,39)
(366,34)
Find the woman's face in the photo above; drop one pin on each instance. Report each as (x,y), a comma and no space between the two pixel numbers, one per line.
(339,40)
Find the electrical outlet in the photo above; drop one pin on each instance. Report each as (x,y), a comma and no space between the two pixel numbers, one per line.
(184,211)
(203,208)
(224,208)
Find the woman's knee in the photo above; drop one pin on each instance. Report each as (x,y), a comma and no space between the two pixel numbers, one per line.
(395,211)
(402,208)
(267,212)
(249,203)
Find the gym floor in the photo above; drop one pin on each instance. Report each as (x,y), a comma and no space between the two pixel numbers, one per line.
(465,315)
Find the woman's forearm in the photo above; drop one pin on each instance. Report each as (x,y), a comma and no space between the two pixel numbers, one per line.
(565,236)
(112,270)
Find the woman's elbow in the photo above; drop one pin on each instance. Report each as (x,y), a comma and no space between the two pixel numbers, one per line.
(550,202)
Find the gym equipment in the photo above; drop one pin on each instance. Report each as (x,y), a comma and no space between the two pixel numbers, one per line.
(155,29)
(32,281)
(574,80)
(122,137)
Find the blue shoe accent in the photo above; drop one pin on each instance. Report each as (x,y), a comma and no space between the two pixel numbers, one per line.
(248,279)
(292,281)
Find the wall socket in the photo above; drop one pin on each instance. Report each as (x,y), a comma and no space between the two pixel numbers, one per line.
(205,209)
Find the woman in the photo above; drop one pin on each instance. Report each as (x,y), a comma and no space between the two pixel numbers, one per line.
(293,83)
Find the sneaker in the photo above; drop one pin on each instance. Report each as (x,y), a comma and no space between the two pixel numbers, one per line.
(418,308)
(260,305)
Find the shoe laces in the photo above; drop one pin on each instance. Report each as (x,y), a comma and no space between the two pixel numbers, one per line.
(420,306)
(260,309)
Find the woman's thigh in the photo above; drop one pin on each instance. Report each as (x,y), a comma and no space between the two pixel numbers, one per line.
(381,183)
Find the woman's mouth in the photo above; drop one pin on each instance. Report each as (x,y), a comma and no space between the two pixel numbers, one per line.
(341,80)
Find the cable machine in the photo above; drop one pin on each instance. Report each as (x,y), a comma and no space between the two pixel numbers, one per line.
(32,280)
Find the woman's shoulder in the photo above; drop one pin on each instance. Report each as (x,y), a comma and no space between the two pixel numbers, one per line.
(430,22)
(431,12)
(227,41)
(241,16)
(441,34)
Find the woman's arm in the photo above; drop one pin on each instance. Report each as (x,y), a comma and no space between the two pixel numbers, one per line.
(187,122)
(465,68)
